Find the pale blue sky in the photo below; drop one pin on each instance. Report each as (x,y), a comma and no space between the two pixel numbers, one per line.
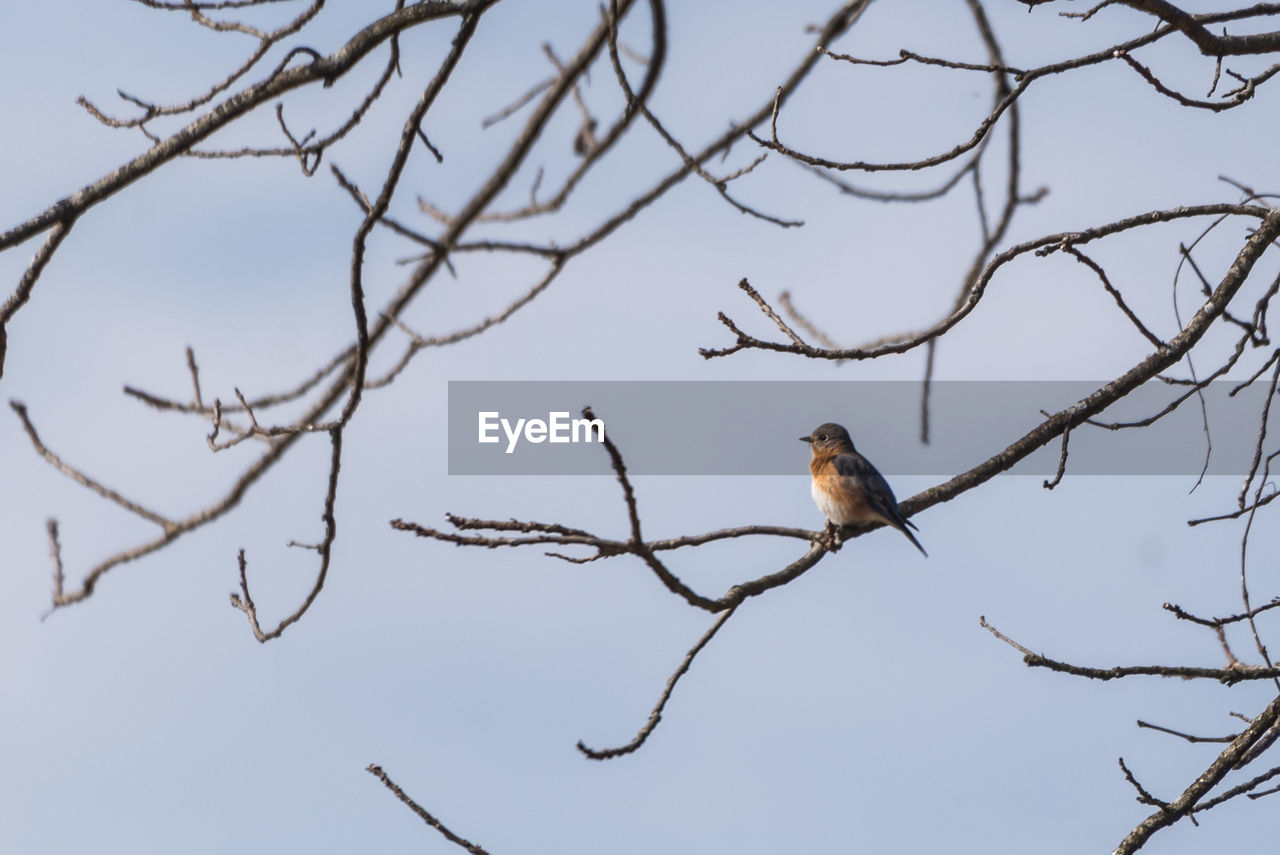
(861,708)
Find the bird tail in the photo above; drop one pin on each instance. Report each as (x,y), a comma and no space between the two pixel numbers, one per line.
(912,538)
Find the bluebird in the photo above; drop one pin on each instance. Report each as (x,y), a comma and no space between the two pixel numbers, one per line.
(847,488)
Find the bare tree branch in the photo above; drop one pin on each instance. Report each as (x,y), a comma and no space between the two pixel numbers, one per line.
(1217,770)
(656,715)
(376,771)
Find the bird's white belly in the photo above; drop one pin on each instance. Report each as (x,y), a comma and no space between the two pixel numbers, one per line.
(838,512)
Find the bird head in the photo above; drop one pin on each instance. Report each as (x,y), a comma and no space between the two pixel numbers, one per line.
(829,437)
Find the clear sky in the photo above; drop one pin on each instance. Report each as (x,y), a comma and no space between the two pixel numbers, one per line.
(861,708)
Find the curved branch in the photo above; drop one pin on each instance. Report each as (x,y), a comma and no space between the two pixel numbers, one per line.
(973,295)
(1217,770)
(1156,362)
(656,715)
(1227,676)
(325,69)
(266,41)
(1210,44)
(1024,80)
(23,292)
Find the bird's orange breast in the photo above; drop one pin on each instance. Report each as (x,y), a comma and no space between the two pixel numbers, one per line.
(840,497)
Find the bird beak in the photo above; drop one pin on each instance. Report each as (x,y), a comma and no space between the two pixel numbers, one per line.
(806,439)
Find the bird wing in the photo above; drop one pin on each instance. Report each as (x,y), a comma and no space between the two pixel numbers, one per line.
(878,493)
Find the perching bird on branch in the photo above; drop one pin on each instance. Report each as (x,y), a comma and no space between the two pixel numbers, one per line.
(847,488)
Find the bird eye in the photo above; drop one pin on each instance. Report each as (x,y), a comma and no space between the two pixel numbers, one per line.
(822,436)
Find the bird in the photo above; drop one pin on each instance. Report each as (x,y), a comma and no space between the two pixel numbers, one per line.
(847,488)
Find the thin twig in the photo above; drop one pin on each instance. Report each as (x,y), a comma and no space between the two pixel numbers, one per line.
(376,770)
(656,715)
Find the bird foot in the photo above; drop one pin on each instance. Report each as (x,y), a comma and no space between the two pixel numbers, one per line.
(833,538)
